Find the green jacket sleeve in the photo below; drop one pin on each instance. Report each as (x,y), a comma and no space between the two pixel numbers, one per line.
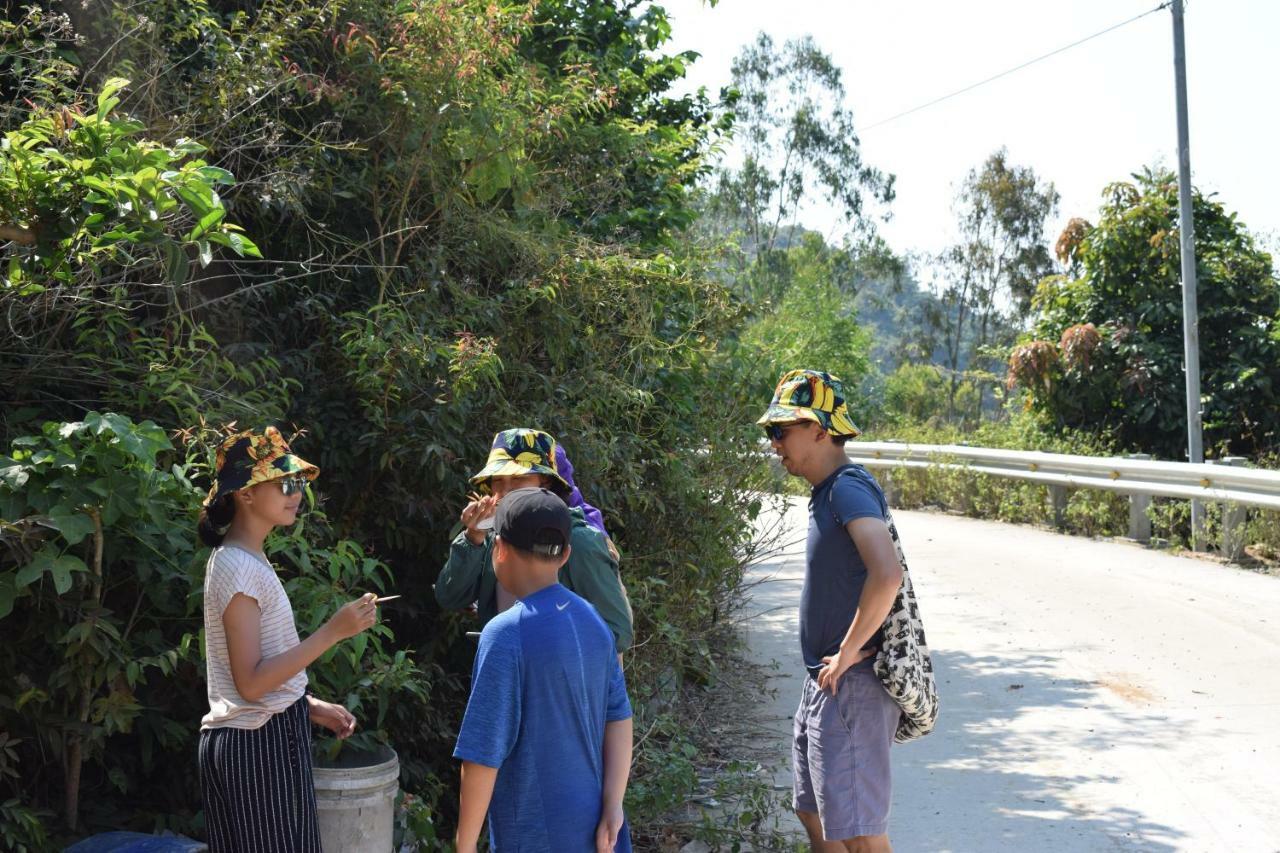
(593,574)
(459,582)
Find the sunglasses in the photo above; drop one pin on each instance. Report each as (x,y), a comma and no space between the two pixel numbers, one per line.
(776,431)
(292,485)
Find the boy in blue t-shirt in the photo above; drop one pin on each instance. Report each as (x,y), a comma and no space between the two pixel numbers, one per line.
(546,739)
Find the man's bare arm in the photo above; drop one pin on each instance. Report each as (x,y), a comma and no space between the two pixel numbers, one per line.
(884,575)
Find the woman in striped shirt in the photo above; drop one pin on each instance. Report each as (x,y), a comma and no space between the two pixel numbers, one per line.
(255,742)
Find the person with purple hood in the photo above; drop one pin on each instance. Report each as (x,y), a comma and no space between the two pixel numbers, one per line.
(577,501)
(519,458)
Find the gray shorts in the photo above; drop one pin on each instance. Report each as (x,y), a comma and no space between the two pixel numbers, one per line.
(840,754)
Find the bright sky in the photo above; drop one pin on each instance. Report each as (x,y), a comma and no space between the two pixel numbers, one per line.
(1082,119)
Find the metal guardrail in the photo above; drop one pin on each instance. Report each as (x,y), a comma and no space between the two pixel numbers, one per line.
(1138,476)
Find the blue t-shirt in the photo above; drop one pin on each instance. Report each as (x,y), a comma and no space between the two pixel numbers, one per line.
(545,682)
(834,571)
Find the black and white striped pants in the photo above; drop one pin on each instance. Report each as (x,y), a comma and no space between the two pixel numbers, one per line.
(258,793)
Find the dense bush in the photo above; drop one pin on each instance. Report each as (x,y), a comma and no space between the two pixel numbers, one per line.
(100,598)
(94,602)
(465,214)
(913,393)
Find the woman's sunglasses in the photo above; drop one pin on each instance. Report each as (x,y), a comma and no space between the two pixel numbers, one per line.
(292,485)
(776,431)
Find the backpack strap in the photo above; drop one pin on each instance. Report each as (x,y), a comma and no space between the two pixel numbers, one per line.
(861,474)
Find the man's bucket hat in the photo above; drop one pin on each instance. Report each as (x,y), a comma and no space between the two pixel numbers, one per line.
(520,451)
(810,395)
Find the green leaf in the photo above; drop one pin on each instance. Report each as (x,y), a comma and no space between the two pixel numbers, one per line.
(105,187)
(15,272)
(141,441)
(31,572)
(95,421)
(206,222)
(188,146)
(107,99)
(13,475)
(33,694)
(238,243)
(73,524)
(62,569)
(176,264)
(217,176)
(199,204)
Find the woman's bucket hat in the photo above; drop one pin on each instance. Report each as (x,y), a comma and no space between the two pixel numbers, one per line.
(249,458)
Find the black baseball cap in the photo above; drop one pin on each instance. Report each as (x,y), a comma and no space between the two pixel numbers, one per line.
(534,519)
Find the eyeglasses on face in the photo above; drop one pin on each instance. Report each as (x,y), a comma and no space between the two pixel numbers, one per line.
(776,431)
(292,485)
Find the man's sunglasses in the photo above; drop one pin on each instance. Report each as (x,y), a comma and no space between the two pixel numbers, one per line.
(291,485)
(776,431)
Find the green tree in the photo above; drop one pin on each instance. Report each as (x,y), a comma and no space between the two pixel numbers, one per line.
(799,148)
(93,570)
(798,145)
(79,191)
(983,283)
(1106,351)
(814,326)
(631,168)
(893,307)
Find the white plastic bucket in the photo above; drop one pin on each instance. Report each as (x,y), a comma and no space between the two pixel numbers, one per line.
(356,797)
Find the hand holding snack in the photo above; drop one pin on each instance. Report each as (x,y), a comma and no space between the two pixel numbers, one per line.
(477,516)
(355,616)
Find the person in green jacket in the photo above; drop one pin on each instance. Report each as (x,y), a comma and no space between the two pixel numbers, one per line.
(519,458)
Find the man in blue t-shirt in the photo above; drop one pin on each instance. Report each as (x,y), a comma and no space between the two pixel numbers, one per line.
(846,721)
(546,739)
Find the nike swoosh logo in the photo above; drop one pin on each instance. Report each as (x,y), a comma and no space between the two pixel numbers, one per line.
(562,605)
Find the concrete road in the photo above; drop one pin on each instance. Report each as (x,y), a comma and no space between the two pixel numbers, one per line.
(1095,695)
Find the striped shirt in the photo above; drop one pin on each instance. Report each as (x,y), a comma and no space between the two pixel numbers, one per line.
(232,570)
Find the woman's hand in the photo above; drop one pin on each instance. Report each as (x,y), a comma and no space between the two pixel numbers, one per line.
(335,718)
(354,617)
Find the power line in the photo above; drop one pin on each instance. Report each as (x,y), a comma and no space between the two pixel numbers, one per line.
(1007,72)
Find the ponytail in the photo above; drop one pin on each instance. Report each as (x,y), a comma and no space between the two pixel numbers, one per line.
(215,519)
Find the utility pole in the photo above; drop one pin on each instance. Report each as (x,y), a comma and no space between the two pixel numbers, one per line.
(1186,231)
